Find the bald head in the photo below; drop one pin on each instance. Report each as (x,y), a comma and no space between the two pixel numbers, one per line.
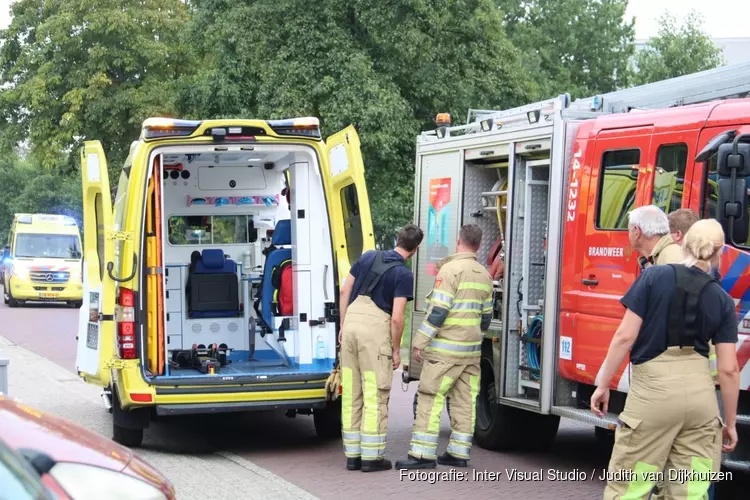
(680,221)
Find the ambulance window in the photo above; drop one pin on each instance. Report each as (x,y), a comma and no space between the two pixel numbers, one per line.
(617,188)
(352,222)
(669,178)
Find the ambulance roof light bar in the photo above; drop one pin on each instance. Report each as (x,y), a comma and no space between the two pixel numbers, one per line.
(160,127)
(308,126)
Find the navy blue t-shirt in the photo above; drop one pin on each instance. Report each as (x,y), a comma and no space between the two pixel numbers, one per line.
(396,282)
(649,298)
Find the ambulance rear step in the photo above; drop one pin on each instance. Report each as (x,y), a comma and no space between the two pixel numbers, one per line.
(586,416)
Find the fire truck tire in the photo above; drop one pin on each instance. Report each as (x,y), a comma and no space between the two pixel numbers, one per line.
(328,420)
(543,431)
(496,425)
(447,405)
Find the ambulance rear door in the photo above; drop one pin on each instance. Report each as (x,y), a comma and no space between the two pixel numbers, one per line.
(96,330)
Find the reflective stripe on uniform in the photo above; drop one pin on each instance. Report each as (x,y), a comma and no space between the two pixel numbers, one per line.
(459,445)
(641,484)
(474,383)
(469,285)
(370,413)
(424,444)
(443,298)
(453,321)
(712,364)
(455,347)
(423,451)
(467,305)
(427,329)
(437,405)
(346,397)
(702,468)
(373,446)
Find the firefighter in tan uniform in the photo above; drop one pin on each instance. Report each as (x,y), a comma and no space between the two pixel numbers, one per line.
(373,304)
(451,339)
(671,415)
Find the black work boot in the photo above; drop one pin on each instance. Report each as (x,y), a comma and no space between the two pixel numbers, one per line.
(354,463)
(376,465)
(448,459)
(416,463)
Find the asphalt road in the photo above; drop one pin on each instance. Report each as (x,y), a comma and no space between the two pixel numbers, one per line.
(290,448)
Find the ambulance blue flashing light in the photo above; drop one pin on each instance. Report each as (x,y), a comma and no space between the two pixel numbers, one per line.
(24,219)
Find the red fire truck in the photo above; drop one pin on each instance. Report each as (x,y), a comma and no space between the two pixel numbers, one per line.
(551,184)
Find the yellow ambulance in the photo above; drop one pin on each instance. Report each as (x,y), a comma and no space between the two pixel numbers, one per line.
(42,260)
(212,280)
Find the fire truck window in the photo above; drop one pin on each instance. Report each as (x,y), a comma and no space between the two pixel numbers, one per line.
(352,222)
(669,179)
(710,189)
(617,188)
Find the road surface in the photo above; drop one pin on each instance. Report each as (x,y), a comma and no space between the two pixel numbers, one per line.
(289,448)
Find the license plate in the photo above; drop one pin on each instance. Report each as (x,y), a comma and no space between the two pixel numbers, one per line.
(47,295)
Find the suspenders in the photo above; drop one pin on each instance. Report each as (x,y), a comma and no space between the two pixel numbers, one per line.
(375,273)
(683,329)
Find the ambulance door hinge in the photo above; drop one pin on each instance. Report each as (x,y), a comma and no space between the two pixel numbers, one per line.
(106,317)
(120,235)
(117,364)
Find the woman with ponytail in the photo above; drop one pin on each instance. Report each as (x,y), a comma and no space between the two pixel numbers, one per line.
(671,414)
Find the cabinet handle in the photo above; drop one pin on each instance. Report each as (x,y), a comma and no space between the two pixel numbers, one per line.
(167,316)
(591,282)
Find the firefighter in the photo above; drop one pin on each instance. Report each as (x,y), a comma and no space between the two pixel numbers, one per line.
(648,231)
(373,304)
(671,415)
(449,341)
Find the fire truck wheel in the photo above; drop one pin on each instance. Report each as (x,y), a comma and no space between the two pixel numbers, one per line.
(543,431)
(414,405)
(496,425)
(328,420)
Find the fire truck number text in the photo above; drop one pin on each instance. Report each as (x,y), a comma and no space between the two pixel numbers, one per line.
(573,188)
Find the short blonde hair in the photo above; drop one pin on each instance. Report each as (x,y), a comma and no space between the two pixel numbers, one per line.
(703,243)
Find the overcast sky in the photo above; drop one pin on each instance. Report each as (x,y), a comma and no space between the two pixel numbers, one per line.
(723,18)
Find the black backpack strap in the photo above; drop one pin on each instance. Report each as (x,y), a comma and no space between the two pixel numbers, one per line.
(375,273)
(683,327)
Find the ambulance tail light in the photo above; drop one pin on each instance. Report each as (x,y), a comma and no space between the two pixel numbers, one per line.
(125,316)
(158,128)
(308,126)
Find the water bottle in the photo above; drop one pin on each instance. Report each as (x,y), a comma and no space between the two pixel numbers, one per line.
(321,348)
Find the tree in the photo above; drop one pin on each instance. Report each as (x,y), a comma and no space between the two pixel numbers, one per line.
(677,50)
(387,67)
(577,46)
(76,70)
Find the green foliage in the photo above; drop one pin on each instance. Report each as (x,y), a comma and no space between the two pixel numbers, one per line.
(677,50)
(577,46)
(29,190)
(80,70)
(386,67)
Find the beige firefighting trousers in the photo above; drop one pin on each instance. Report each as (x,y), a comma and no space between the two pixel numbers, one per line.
(670,429)
(438,380)
(366,376)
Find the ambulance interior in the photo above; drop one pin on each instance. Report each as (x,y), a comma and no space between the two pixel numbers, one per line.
(514,251)
(219,222)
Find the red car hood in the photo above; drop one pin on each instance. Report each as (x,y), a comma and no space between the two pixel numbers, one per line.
(64,441)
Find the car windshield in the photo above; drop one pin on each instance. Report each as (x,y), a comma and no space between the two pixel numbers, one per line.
(18,480)
(52,246)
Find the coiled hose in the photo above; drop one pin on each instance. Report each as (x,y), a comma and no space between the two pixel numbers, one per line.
(533,351)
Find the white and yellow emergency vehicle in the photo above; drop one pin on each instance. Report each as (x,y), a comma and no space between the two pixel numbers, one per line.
(184,310)
(42,260)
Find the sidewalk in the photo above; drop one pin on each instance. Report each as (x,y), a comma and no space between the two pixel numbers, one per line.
(197,470)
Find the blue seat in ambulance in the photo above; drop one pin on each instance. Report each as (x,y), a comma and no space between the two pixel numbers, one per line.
(214,287)
(282,236)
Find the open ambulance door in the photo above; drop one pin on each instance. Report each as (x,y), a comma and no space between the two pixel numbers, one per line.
(96,329)
(349,205)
